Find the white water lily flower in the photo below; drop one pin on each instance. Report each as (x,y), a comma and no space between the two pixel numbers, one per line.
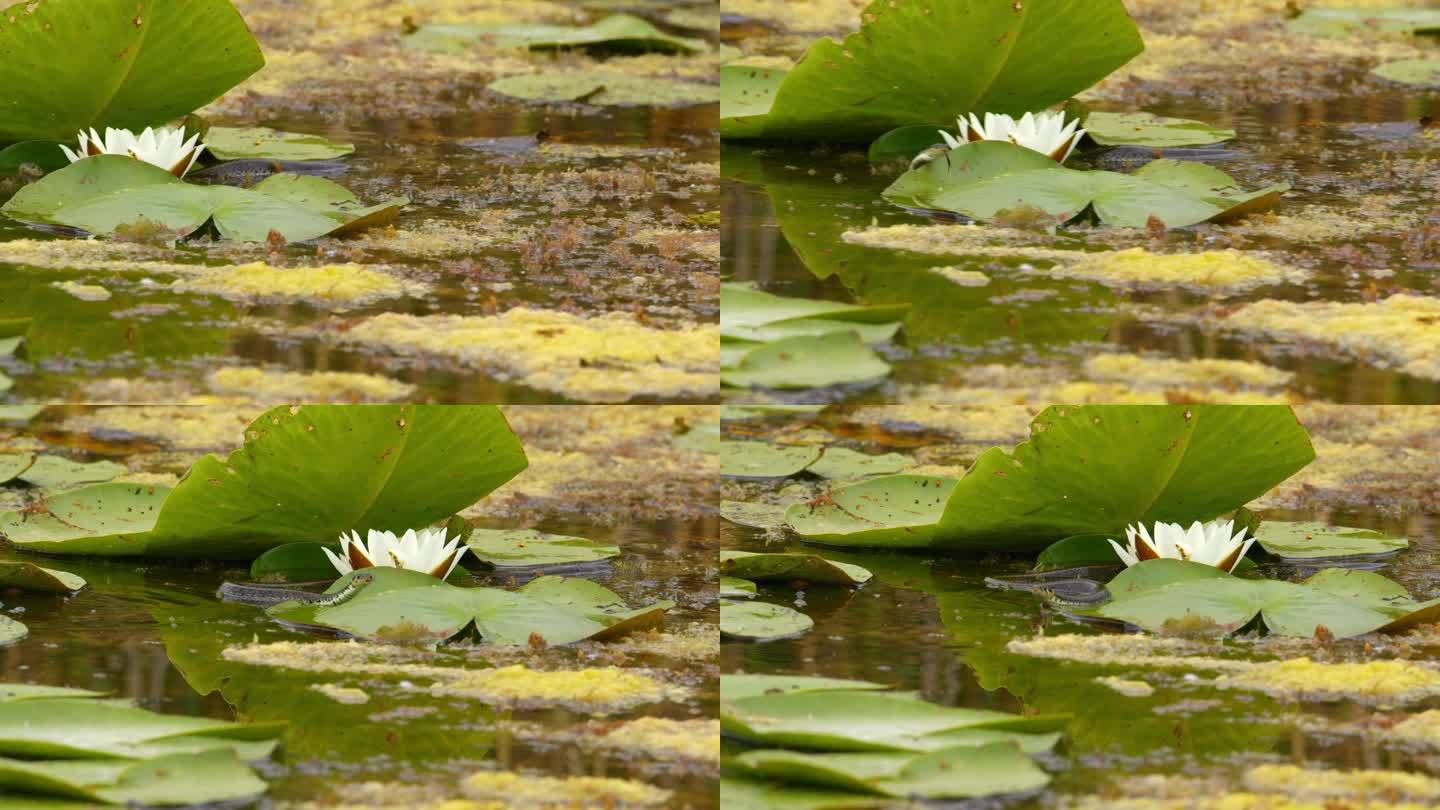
(165,147)
(425,551)
(1215,543)
(1046,133)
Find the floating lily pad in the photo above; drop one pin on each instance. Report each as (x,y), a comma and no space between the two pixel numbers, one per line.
(761,621)
(12,631)
(32,691)
(617,32)
(846,720)
(69,728)
(295,562)
(307,473)
(1144,129)
(734,588)
(527,548)
(755,515)
(19,413)
(904,143)
(44,154)
(75,64)
(744,684)
(106,192)
(28,576)
(561,610)
(239,143)
(600,87)
(1078,550)
(1420,72)
(837,358)
(844,463)
(765,460)
(1317,541)
(1086,470)
(702,438)
(788,567)
(750,314)
(1344,602)
(13,464)
(178,779)
(982,179)
(1349,22)
(950,773)
(56,471)
(1001,57)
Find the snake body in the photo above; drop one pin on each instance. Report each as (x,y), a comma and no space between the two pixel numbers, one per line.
(252,593)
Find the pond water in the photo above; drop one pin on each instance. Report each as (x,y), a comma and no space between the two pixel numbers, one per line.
(928,622)
(154,631)
(1361,191)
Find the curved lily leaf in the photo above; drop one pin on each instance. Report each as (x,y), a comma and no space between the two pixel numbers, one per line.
(1092,469)
(924,62)
(103,193)
(75,64)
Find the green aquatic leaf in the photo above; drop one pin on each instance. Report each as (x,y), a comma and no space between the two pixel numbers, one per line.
(1085,470)
(1311,540)
(58,472)
(617,32)
(44,154)
(761,621)
(765,460)
(791,566)
(73,728)
(903,143)
(843,463)
(177,779)
(28,576)
(1346,603)
(561,610)
(605,88)
(755,515)
(75,64)
(305,473)
(1078,550)
(741,792)
(982,179)
(750,314)
(295,562)
(31,691)
(844,720)
(103,193)
(744,684)
(951,773)
(1145,129)
(734,588)
(1349,22)
(925,62)
(238,143)
(13,464)
(527,548)
(12,631)
(837,358)
(1419,72)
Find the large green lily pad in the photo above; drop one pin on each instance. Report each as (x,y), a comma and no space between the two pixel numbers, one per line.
(238,143)
(950,773)
(1419,72)
(617,32)
(761,621)
(1145,129)
(527,548)
(927,61)
(1085,470)
(73,728)
(604,88)
(75,64)
(837,358)
(106,192)
(745,684)
(754,315)
(52,472)
(44,154)
(788,567)
(28,576)
(397,603)
(849,720)
(1310,540)
(765,460)
(1349,22)
(174,780)
(303,474)
(1347,603)
(981,179)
